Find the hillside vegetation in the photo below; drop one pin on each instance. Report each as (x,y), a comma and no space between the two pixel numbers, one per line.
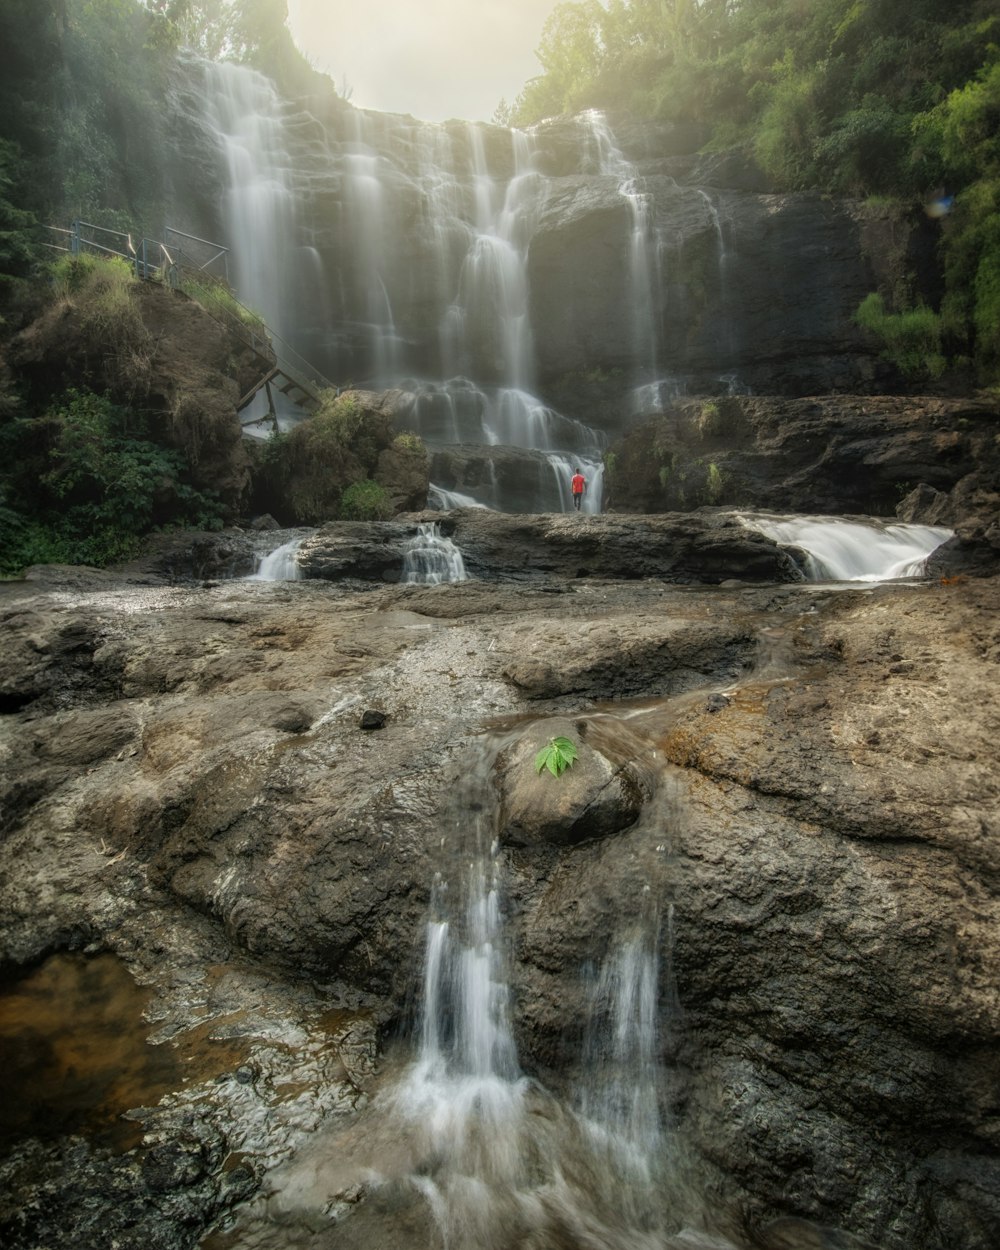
(889,98)
(896,99)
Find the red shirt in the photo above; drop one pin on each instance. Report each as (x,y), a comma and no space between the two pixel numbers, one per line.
(577,484)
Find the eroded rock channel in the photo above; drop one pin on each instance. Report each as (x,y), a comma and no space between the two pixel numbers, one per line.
(774,867)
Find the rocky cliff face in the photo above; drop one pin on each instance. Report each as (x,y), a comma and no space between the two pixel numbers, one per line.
(595,265)
(799,781)
(185,369)
(928,460)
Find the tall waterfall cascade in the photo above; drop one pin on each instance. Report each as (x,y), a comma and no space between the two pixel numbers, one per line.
(520,294)
(841,550)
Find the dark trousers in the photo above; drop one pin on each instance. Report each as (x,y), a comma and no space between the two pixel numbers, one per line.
(576,500)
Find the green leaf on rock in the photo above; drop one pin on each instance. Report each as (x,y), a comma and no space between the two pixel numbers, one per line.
(557,756)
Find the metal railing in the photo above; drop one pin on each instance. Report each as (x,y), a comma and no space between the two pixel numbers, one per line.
(196,275)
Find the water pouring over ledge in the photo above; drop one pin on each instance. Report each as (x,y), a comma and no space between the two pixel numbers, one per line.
(431,559)
(839,549)
(279,565)
(461,1150)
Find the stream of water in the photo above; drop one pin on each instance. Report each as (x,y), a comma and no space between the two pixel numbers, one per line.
(460,1140)
(431,558)
(838,549)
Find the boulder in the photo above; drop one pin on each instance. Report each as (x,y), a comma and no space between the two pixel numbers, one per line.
(360,550)
(704,546)
(592,798)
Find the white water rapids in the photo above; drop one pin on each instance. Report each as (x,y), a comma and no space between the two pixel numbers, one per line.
(841,550)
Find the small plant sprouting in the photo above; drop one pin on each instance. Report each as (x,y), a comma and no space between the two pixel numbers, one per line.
(557,756)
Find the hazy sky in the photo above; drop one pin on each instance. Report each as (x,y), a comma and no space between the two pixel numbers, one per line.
(433,58)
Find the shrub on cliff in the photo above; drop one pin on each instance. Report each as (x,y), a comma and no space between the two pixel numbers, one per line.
(365,501)
(83,484)
(911,338)
(109,322)
(344,462)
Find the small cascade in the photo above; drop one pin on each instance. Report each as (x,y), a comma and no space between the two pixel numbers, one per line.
(622,1092)
(510,1165)
(563,468)
(279,565)
(442,500)
(645,250)
(726,346)
(430,558)
(464,1096)
(840,550)
(461,1138)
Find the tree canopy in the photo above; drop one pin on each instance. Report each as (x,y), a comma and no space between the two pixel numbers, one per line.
(896,98)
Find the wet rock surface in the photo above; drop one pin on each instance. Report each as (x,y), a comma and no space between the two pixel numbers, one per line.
(926,459)
(186,783)
(705,546)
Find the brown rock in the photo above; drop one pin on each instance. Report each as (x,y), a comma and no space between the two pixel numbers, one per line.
(592,798)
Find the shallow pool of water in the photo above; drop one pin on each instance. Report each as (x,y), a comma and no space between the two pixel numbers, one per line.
(75,1055)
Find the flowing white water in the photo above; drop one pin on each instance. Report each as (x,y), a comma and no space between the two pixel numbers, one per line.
(462,1151)
(246,116)
(512,1166)
(645,248)
(840,550)
(279,565)
(431,558)
(381,227)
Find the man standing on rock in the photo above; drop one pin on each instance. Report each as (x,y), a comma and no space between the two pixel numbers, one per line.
(576,486)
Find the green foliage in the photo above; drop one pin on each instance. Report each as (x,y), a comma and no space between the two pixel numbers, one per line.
(912,339)
(713,484)
(18,250)
(341,422)
(218,300)
(251,31)
(557,755)
(304,474)
(103,291)
(709,419)
(365,501)
(789,126)
(109,156)
(85,483)
(408,441)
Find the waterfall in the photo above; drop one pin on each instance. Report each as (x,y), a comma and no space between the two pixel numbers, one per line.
(563,467)
(245,115)
(393,253)
(430,558)
(840,550)
(272,265)
(444,500)
(511,1164)
(279,565)
(727,345)
(645,251)
(460,1137)
(464,1095)
(622,1096)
